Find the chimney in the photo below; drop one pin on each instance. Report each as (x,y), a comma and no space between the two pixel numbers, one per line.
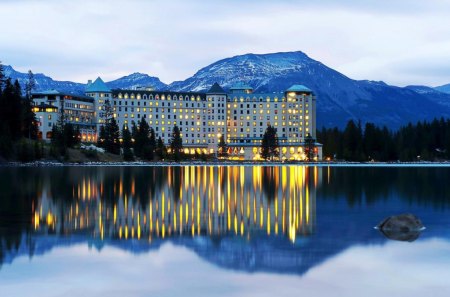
(89,82)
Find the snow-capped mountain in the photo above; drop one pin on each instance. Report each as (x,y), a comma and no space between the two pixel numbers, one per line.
(339,98)
(137,80)
(44,82)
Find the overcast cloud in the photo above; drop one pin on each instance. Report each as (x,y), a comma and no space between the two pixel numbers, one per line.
(398,41)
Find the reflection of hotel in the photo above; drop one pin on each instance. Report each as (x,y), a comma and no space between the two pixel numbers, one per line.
(240,115)
(213,201)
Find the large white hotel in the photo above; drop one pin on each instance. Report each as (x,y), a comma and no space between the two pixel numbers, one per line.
(203,117)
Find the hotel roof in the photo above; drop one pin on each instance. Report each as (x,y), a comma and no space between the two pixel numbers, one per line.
(97,86)
(241,86)
(216,89)
(298,88)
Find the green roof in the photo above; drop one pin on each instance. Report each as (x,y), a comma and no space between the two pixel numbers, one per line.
(241,86)
(98,86)
(298,88)
(216,89)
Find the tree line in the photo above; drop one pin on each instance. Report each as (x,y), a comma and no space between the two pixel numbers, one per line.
(18,124)
(141,142)
(423,141)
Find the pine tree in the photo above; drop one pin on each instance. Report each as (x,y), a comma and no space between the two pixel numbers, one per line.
(149,150)
(101,137)
(112,140)
(309,148)
(127,144)
(176,143)
(142,141)
(161,150)
(265,151)
(30,84)
(30,128)
(270,145)
(2,76)
(222,147)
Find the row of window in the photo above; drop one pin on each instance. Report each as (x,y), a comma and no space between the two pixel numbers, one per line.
(186,105)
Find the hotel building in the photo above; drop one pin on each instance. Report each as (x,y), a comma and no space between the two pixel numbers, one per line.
(240,115)
(78,110)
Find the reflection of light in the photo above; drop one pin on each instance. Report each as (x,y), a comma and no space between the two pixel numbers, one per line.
(214,200)
(49,219)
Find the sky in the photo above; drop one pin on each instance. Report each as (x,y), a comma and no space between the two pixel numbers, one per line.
(393,269)
(401,42)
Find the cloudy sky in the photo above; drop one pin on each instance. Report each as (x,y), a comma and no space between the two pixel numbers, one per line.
(398,41)
(393,269)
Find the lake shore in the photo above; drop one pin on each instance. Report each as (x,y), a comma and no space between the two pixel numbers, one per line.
(226,163)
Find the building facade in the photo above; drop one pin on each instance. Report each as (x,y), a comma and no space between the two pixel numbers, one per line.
(240,115)
(77,110)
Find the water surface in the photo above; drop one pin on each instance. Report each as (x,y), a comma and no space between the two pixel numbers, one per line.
(221,231)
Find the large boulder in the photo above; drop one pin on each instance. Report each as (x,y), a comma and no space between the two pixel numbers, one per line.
(404,227)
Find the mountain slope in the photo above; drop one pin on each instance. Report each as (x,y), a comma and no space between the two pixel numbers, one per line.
(339,97)
(44,82)
(137,80)
(444,88)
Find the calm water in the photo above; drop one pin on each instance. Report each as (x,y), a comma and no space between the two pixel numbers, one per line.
(221,231)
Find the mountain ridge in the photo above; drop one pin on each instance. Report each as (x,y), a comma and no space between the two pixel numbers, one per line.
(340,98)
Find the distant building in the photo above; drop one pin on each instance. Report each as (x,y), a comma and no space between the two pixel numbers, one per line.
(240,115)
(78,110)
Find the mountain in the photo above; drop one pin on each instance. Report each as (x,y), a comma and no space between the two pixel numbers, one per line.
(339,97)
(44,82)
(444,88)
(137,80)
(435,95)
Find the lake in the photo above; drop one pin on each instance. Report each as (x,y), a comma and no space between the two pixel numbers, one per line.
(221,231)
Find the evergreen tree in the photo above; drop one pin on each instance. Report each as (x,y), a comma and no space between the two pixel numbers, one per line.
(270,145)
(352,142)
(30,84)
(2,76)
(161,150)
(142,146)
(112,140)
(176,143)
(101,137)
(222,147)
(30,129)
(127,144)
(309,148)
(149,150)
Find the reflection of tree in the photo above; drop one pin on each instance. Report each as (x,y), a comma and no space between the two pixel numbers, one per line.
(16,207)
(420,185)
(149,182)
(177,175)
(270,182)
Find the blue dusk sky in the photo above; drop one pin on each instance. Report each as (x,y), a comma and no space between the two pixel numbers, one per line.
(398,41)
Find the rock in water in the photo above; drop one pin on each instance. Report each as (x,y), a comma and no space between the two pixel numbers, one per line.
(404,227)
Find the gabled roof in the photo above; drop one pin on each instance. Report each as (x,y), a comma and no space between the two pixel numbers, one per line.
(216,89)
(298,88)
(97,86)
